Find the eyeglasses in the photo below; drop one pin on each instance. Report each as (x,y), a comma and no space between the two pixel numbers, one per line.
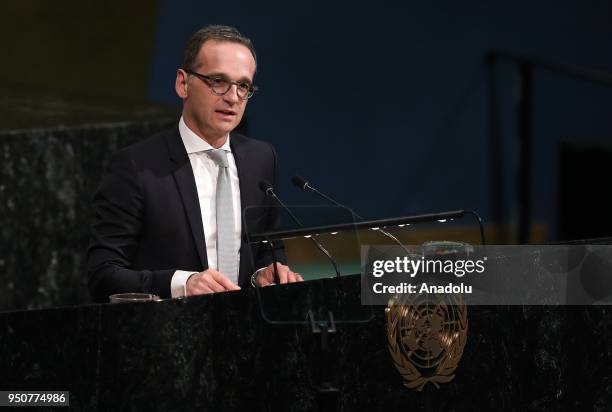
(220,85)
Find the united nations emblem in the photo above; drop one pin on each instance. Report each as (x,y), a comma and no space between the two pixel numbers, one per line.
(427,334)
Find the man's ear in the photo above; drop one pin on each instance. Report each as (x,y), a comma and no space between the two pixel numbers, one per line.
(181,85)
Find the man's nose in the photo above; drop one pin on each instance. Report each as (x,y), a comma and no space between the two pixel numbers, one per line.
(232,94)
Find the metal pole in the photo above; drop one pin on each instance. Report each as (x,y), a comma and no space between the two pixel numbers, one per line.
(496,166)
(525,103)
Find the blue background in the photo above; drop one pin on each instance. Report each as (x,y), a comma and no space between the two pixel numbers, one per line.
(383,105)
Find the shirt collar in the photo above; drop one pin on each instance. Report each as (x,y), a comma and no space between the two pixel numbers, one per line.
(194,143)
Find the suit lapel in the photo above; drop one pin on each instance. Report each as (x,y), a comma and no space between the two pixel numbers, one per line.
(185,181)
(244,182)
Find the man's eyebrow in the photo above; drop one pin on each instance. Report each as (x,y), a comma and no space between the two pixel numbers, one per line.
(245,80)
(224,76)
(217,75)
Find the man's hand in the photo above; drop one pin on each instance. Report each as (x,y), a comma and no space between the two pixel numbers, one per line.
(266,276)
(209,281)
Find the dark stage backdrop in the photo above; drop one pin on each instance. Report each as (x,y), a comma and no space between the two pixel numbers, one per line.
(381,103)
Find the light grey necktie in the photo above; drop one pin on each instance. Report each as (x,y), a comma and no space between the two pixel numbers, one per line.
(227,249)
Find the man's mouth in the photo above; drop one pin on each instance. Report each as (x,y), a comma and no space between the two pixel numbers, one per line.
(226,112)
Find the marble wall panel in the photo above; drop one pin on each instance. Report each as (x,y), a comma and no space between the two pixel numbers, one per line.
(47,177)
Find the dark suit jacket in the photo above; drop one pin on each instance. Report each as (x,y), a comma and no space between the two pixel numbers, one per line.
(148,222)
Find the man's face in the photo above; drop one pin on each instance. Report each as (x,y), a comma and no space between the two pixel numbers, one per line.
(210,115)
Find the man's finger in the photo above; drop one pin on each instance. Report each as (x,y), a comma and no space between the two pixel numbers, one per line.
(208,281)
(224,281)
(282,274)
(201,290)
(196,285)
(266,276)
(212,283)
(262,280)
(291,278)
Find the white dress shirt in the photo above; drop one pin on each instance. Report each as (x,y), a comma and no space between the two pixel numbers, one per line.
(205,171)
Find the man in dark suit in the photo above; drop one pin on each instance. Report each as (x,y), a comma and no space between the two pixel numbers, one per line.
(168,215)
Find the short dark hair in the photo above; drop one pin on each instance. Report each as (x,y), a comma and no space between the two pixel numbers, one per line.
(212,32)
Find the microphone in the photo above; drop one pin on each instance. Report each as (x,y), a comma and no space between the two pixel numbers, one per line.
(268,189)
(307,187)
(300,182)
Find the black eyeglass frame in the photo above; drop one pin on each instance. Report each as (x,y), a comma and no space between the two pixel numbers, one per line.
(207,79)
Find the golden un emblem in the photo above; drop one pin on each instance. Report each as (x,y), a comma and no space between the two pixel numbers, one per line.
(426,336)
